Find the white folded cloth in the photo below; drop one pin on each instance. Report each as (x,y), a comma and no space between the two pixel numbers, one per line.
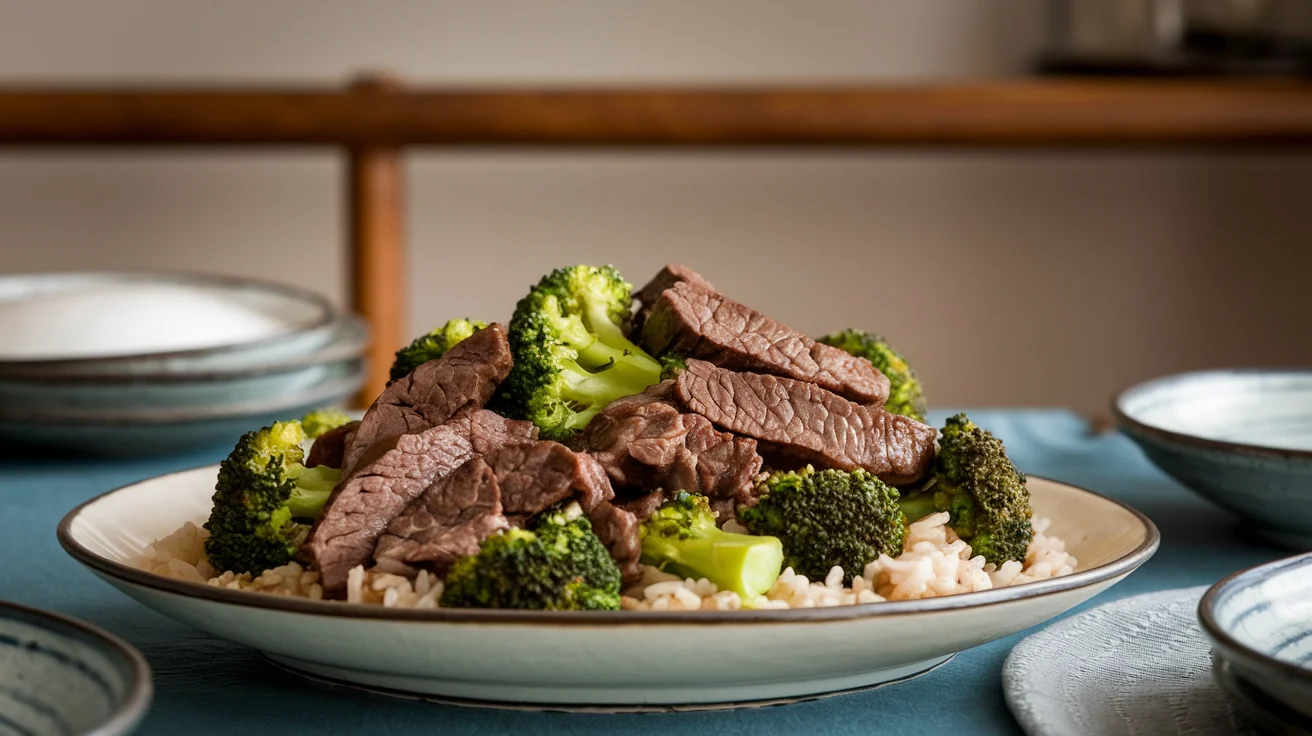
(1139,665)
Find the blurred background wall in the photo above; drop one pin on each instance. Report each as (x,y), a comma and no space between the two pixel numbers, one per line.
(1037,279)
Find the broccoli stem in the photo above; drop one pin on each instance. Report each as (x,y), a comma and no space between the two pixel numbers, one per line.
(918,506)
(601,388)
(745,564)
(307,504)
(312,488)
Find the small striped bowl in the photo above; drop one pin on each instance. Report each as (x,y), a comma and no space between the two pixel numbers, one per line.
(1260,624)
(60,677)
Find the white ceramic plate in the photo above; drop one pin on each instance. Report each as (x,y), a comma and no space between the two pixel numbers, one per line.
(621,658)
(142,432)
(62,319)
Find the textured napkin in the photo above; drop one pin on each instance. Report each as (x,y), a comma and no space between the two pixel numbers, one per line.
(1139,665)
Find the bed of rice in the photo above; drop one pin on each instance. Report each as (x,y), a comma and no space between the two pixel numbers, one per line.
(934,562)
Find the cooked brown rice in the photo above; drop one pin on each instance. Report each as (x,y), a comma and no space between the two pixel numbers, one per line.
(934,562)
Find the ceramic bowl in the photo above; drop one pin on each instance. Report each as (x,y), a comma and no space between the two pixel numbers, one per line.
(286,321)
(1241,438)
(166,430)
(615,659)
(1272,716)
(59,676)
(1260,623)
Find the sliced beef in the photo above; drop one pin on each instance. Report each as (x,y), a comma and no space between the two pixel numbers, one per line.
(645,505)
(463,378)
(387,478)
(449,521)
(617,528)
(803,422)
(700,323)
(668,276)
(489,431)
(535,477)
(329,448)
(647,441)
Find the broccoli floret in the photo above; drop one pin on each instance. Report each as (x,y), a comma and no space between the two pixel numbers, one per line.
(559,565)
(322,420)
(432,346)
(906,396)
(828,518)
(265,500)
(672,364)
(982,489)
(571,355)
(681,538)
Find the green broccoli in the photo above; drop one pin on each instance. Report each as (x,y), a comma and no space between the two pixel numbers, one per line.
(559,565)
(322,420)
(432,346)
(681,538)
(571,355)
(265,500)
(828,518)
(982,489)
(906,396)
(672,364)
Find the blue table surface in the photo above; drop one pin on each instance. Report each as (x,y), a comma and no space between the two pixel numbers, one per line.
(206,685)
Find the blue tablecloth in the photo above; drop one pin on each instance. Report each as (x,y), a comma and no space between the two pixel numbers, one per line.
(204,685)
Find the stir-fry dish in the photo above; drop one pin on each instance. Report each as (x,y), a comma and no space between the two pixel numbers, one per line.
(674,451)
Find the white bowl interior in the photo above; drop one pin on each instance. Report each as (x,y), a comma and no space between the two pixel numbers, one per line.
(1268,409)
(55,680)
(1271,613)
(120,525)
(62,316)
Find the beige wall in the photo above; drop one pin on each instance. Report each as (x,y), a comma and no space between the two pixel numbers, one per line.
(1009,279)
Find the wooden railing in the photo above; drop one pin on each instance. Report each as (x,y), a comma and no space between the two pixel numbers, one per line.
(375,120)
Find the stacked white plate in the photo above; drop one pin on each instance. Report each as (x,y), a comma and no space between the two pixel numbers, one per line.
(153,363)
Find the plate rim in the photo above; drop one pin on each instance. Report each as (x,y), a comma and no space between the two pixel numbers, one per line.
(326,312)
(1140,430)
(1107,571)
(350,343)
(141,690)
(319,392)
(1225,641)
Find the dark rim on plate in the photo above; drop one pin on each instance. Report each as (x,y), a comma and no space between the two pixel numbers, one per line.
(325,309)
(1133,426)
(1107,571)
(136,701)
(1224,640)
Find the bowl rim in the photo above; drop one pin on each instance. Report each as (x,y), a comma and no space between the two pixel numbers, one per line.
(1110,570)
(324,308)
(141,690)
(350,341)
(1231,646)
(1139,429)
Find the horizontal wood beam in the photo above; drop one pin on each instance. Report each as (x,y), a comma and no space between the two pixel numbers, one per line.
(1027,113)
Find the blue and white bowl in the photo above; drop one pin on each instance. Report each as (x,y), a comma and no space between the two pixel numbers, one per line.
(59,676)
(1260,624)
(1241,438)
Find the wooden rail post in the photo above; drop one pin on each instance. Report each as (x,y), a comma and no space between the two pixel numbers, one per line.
(376,227)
